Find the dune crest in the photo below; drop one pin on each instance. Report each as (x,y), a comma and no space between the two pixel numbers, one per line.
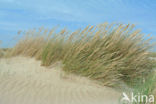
(24,81)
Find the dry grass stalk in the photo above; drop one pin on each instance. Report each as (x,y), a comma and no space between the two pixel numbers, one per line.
(108,53)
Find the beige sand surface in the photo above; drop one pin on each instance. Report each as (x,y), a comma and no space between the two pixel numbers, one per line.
(24,81)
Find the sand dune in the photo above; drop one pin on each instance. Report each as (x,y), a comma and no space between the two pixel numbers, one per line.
(24,81)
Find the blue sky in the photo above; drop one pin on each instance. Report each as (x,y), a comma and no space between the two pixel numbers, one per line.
(26,14)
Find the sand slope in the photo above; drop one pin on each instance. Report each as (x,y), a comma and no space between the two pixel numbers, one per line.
(24,81)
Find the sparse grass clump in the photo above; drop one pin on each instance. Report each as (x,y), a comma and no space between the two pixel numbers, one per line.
(3,52)
(107,53)
(147,87)
(152,54)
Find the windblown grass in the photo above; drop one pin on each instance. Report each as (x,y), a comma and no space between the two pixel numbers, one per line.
(107,53)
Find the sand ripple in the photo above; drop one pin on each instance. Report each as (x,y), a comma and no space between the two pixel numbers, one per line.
(24,81)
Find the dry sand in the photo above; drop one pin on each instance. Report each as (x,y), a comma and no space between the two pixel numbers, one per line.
(24,81)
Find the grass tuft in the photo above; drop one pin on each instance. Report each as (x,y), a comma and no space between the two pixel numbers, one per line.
(107,53)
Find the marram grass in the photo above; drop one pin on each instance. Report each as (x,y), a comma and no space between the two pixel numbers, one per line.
(106,53)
